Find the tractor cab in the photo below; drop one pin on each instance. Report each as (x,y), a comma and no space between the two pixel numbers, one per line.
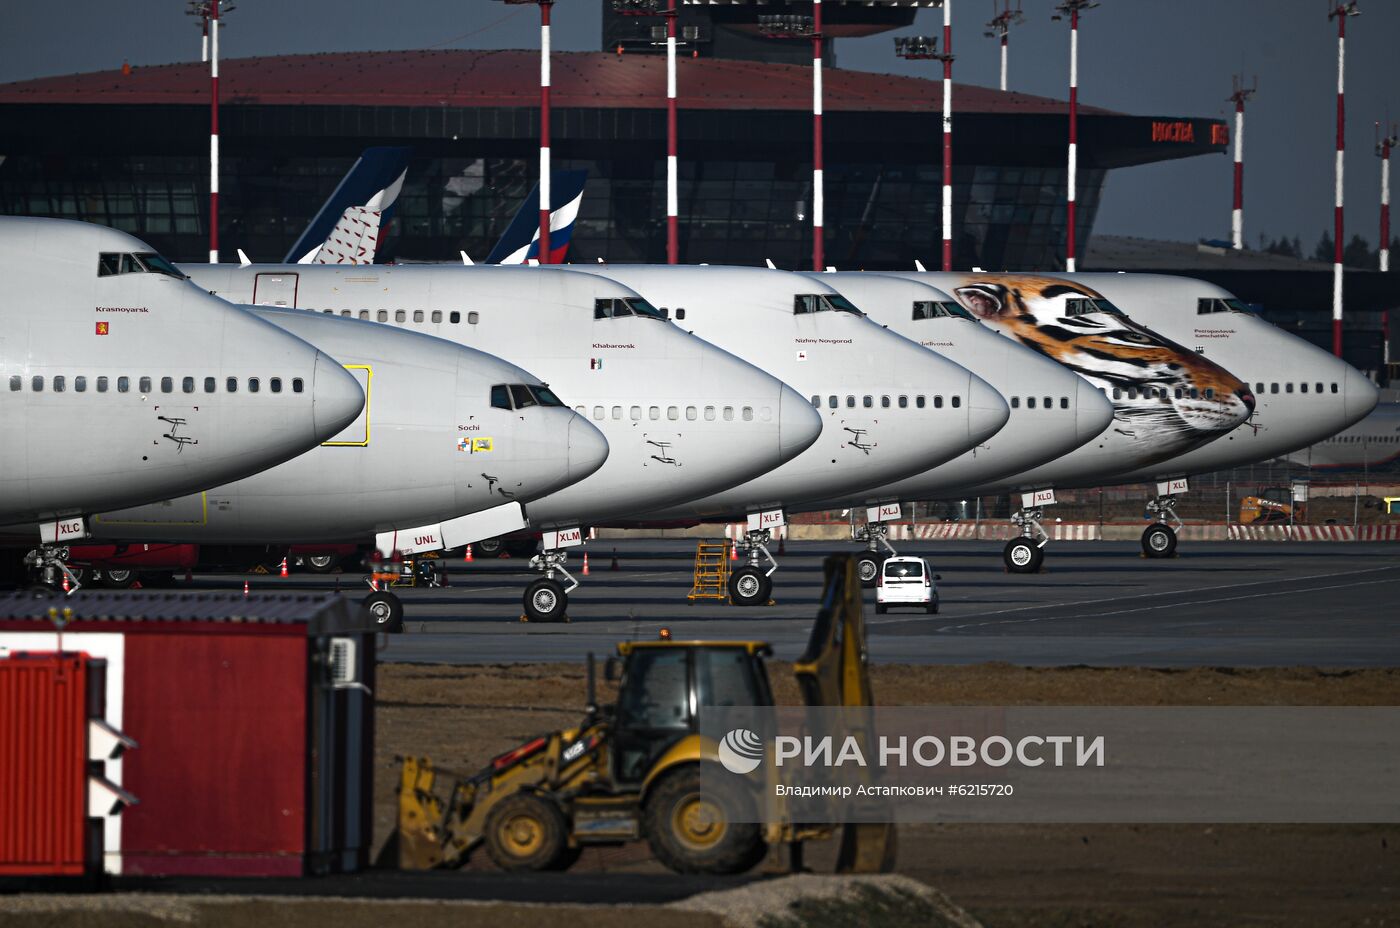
(663,684)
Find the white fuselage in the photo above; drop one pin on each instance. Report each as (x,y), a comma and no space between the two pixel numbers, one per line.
(682,418)
(1302,394)
(1370,444)
(890,408)
(429,448)
(115,378)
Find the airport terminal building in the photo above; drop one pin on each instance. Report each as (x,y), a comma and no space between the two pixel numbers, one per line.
(130,150)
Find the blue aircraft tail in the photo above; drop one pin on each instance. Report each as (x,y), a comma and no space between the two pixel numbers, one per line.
(521,242)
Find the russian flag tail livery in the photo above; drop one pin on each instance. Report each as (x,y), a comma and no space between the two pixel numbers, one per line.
(350,225)
(521,242)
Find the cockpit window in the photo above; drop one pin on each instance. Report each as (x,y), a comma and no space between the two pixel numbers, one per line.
(631,306)
(642,308)
(821,303)
(1208,305)
(112,263)
(521,396)
(1082,305)
(937,309)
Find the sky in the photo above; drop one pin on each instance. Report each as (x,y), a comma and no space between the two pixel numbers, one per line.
(1145,57)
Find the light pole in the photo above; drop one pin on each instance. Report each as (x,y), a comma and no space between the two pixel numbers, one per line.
(1340,12)
(669,10)
(1073,8)
(792,26)
(208,13)
(1241,94)
(999,27)
(544,5)
(1383,147)
(922,47)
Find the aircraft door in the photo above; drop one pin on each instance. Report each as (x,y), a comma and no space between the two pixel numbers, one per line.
(356,434)
(275,290)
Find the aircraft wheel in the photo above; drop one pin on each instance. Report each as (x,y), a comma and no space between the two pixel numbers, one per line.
(749,587)
(694,831)
(386,610)
(527,832)
(489,547)
(545,601)
(321,563)
(868,568)
(1159,541)
(119,578)
(1022,556)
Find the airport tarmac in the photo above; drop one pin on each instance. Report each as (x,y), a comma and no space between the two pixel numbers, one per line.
(1097,603)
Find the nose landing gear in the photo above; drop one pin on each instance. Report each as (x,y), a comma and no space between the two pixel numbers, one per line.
(1026,553)
(546,599)
(1159,538)
(868,563)
(751,585)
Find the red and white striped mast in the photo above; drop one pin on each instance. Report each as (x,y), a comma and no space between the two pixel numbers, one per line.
(208,12)
(1383,147)
(1340,12)
(544,257)
(1073,8)
(1241,94)
(818,180)
(673,247)
(1000,26)
(926,47)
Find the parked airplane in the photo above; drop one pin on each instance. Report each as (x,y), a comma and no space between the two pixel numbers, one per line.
(1371,444)
(453,443)
(683,418)
(1053,410)
(891,408)
(118,382)
(1167,399)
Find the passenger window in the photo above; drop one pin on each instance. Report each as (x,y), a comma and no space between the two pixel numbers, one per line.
(210,384)
(400,315)
(231,385)
(832,402)
(328,312)
(747,413)
(1064,402)
(1303,387)
(1258,388)
(868,402)
(1195,393)
(187,384)
(709,414)
(1334,388)
(36,384)
(904,402)
(418,315)
(1210,393)
(436,316)
(364,314)
(167,385)
(102,383)
(254,384)
(1288,388)
(1273,388)
(454,317)
(957,401)
(1117,393)
(817,402)
(346,313)
(1049,402)
(1030,401)
(275,384)
(599,412)
(884,402)
(472,318)
(297,385)
(673,413)
(636,413)
(691,413)
(382,315)
(729,414)
(654,412)
(938,402)
(919,401)
(1319,388)
(60,383)
(1015,402)
(500,397)
(850,402)
(123,384)
(16,382)
(522,396)
(79,384)
(680,312)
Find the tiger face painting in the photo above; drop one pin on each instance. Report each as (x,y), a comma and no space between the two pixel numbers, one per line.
(1166,398)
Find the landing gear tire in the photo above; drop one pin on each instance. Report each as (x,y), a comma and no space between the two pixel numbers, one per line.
(1158,541)
(527,832)
(546,601)
(490,547)
(868,569)
(695,831)
(386,609)
(321,563)
(749,587)
(120,578)
(1022,556)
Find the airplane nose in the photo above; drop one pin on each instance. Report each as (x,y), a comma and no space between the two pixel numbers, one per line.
(987,411)
(336,397)
(1092,411)
(588,449)
(1360,395)
(798,424)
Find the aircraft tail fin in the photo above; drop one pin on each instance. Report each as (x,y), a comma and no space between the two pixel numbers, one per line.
(350,225)
(521,242)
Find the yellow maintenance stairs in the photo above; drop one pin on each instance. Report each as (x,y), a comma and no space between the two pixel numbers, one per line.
(711,570)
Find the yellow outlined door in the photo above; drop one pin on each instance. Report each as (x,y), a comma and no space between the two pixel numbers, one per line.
(356,434)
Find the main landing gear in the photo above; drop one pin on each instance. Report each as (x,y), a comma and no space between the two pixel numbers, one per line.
(1025,553)
(751,585)
(1159,538)
(868,562)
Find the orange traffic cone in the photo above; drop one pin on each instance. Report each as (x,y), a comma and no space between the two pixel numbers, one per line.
(585,563)
(468,557)
(245,587)
(283,571)
(65,583)
(733,553)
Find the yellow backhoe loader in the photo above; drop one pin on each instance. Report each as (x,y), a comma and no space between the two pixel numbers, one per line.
(632,771)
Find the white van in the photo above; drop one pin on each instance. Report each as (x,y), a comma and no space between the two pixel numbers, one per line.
(906,581)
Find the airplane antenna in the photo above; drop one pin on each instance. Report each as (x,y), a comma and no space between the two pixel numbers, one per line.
(1241,93)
